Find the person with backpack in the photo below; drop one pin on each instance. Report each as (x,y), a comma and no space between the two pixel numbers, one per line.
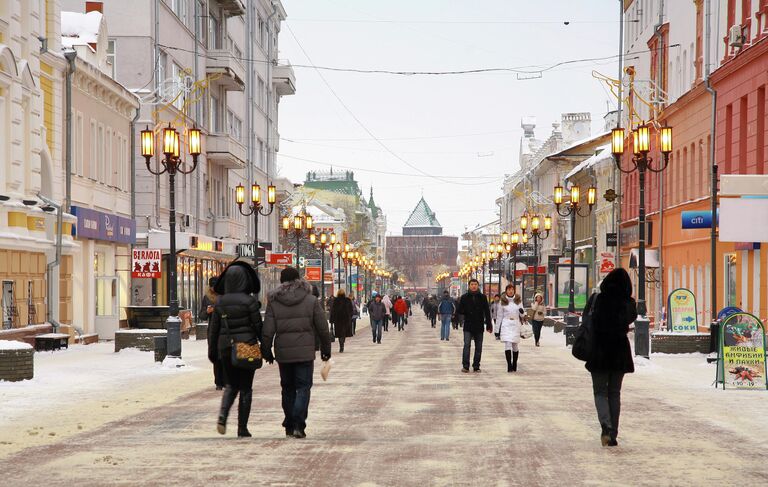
(446,310)
(510,316)
(609,313)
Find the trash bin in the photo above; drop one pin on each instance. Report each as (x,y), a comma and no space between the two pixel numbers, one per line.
(642,337)
(161,348)
(572,322)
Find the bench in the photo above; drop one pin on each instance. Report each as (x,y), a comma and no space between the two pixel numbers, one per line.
(143,339)
(51,341)
(87,339)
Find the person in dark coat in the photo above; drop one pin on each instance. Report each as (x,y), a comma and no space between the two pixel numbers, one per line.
(206,313)
(613,310)
(341,317)
(296,325)
(237,287)
(378,312)
(473,306)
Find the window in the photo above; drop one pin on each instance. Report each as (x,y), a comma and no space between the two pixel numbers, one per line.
(109,166)
(234,126)
(100,156)
(202,23)
(179,7)
(215,124)
(730,280)
(177,75)
(214,32)
(261,30)
(79,144)
(260,94)
(162,62)
(94,153)
(111,57)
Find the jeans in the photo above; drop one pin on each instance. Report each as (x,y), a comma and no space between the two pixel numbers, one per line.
(606,386)
(478,338)
(536,325)
(401,322)
(445,327)
(296,382)
(376,330)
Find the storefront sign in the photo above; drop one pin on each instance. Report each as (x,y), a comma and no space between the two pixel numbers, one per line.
(280,259)
(742,348)
(312,273)
(611,239)
(196,243)
(563,285)
(606,262)
(697,219)
(250,250)
(329,277)
(681,306)
(98,225)
(312,262)
(630,235)
(146,263)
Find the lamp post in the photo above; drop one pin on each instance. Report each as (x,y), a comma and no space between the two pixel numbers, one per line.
(255,208)
(573,208)
(323,241)
(337,270)
(537,233)
(298,223)
(172,164)
(641,146)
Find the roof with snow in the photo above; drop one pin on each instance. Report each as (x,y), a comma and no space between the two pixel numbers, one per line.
(79,29)
(602,153)
(422,217)
(592,139)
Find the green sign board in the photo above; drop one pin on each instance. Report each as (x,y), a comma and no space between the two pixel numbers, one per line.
(742,352)
(681,312)
(563,285)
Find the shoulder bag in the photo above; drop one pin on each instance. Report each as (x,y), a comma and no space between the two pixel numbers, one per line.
(584,337)
(244,355)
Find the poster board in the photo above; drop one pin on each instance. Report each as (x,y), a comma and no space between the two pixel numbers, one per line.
(681,312)
(146,264)
(528,291)
(741,360)
(580,286)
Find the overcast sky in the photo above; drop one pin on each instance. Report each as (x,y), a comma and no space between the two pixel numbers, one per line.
(452,137)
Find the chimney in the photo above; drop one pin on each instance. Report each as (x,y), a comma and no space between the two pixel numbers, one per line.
(94,7)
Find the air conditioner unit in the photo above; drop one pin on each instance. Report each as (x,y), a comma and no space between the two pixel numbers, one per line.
(735,36)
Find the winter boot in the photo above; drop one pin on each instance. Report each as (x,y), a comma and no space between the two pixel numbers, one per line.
(227,399)
(508,354)
(605,436)
(514,361)
(243,412)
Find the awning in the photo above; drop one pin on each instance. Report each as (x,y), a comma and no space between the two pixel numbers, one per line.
(651,258)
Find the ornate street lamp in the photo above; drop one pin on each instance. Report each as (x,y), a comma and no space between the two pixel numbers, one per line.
(538,233)
(323,241)
(172,164)
(641,162)
(298,223)
(255,208)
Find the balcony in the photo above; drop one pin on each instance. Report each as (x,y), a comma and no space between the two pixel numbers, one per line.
(228,227)
(284,80)
(224,150)
(232,8)
(230,71)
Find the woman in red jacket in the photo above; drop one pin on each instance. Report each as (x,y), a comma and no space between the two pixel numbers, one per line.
(401,308)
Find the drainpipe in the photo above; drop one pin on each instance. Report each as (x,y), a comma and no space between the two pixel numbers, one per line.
(55,262)
(133,182)
(70,56)
(713,184)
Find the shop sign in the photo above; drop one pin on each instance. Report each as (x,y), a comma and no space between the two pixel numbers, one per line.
(97,225)
(312,263)
(250,250)
(312,273)
(630,235)
(697,219)
(563,285)
(611,239)
(727,311)
(742,352)
(606,262)
(280,259)
(681,306)
(196,243)
(329,277)
(146,264)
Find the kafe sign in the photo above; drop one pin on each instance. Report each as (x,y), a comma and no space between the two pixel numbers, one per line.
(681,312)
(742,352)
(146,264)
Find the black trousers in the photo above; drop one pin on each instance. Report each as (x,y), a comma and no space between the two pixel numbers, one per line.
(606,386)
(218,374)
(536,325)
(296,384)
(236,378)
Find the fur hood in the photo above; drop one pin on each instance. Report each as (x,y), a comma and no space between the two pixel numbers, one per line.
(290,293)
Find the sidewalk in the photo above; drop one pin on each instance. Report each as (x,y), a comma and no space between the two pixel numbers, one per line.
(402,413)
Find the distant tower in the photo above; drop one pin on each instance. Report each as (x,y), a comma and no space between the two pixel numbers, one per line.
(422,221)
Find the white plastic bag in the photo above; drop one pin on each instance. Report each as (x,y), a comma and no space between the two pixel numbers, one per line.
(326,369)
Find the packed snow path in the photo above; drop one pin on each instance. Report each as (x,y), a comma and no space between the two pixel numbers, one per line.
(399,413)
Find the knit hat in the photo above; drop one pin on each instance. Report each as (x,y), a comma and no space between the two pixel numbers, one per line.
(289,274)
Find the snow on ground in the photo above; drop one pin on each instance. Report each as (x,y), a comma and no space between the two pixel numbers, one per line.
(14,345)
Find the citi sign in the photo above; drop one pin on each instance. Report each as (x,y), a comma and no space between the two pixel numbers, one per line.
(698,219)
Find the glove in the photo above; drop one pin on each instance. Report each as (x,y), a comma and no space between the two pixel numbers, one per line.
(325,357)
(498,335)
(267,356)
(489,329)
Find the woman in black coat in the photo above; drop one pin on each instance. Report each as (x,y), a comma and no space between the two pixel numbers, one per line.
(341,317)
(613,310)
(237,287)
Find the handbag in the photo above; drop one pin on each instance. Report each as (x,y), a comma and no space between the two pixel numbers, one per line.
(584,337)
(526,330)
(244,355)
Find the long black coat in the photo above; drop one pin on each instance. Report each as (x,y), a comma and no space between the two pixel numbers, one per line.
(474,307)
(341,316)
(241,309)
(612,314)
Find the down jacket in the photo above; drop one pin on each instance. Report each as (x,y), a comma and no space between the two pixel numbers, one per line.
(509,318)
(241,310)
(295,324)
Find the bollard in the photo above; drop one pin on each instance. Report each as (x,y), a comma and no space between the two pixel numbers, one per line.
(161,348)
(642,337)
(173,324)
(572,322)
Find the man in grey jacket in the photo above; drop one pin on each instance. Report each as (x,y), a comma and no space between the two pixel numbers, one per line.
(296,323)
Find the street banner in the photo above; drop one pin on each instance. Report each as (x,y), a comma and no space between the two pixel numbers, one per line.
(312,274)
(742,352)
(563,286)
(681,312)
(146,264)
(280,259)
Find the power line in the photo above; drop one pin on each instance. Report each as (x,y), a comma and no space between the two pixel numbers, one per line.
(480,22)
(368,149)
(294,139)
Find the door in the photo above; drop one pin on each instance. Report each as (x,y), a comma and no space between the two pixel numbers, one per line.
(107,317)
(7,304)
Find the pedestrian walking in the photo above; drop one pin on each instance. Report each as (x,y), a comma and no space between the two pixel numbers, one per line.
(538,312)
(388,305)
(613,309)
(236,318)
(296,325)
(430,307)
(341,317)
(355,313)
(378,312)
(473,305)
(206,313)
(446,309)
(511,316)
(401,308)
(494,316)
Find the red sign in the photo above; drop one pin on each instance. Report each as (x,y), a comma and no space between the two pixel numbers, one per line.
(329,277)
(606,262)
(313,274)
(146,263)
(455,274)
(280,259)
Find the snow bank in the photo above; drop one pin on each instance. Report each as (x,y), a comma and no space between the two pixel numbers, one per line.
(14,345)
(142,330)
(78,29)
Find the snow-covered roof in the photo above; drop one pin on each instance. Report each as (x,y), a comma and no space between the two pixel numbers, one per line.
(603,153)
(78,29)
(576,144)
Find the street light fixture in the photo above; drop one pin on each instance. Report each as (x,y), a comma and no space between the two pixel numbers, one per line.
(300,222)
(255,208)
(172,164)
(535,222)
(640,163)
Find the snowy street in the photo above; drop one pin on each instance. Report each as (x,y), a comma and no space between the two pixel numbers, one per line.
(399,413)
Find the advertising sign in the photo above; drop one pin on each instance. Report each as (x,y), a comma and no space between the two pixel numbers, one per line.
(681,306)
(742,352)
(606,262)
(312,262)
(611,239)
(697,219)
(280,259)
(98,225)
(728,311)
(528,291)
(146,264)
(563,285)
(312,274)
